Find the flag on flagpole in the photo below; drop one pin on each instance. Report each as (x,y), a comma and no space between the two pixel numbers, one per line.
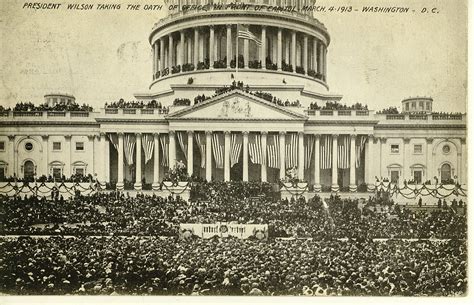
(182,144)
(308,150)
(291,150)
(129,148)
(202,148)
(273,151)
(343,152)
(325,154)
(244,33)
(164,140)
(218,149)
(236,146)
(148,145)
(255,148)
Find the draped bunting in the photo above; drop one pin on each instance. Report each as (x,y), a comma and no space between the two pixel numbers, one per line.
(291,150)
(308,150)
(343,152)
(114,139)
(273,151)
(129,148)
(164,140)
(202,148)
(255,148)
(218,149)
(235,147)
(325,152)
(182,143)
(359,149)
(148,145)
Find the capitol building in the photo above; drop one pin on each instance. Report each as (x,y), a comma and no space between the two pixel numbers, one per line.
(236,95)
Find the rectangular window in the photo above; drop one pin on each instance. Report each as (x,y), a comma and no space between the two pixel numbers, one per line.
(57,173)
(428,106)
(407,107)
(80,171)
(417,175)
(413,105)
(2,173)
(56,146)
(422,106)
(80,146)
(394,176)
(418,149)
(2,146)
(394,148)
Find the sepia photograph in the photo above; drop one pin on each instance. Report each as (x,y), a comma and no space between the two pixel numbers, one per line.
(234,148)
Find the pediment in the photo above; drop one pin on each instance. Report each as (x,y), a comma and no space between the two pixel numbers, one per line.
(237,105)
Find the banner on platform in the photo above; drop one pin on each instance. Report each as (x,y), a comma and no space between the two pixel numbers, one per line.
(223,229)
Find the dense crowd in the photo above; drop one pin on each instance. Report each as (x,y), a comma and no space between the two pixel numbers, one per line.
(389,110)
(71,106)
(156,266)
(121,103)
(43,178)
(335,105)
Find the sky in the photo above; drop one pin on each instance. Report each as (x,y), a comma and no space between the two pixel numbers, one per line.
(100,56)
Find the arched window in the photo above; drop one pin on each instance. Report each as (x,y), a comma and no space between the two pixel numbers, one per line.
(445,172)
(28,170)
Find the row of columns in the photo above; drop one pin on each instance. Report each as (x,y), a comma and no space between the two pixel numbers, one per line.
(245,149)
(165,55)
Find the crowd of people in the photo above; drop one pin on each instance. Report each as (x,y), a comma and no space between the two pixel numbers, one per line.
(121,103)
(63,106)
(78,178)
(389,110)
(335,105)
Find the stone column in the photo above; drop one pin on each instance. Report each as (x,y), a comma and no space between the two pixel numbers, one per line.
(190,153)
(227,156)
(263,54)
(405,151)
(325,64)
(13,169)
(245,159)
(459,165)
(229,45)
(208,156)
(93,139)
(246,53)
(334,186)
(287,51)
(162,55)
(369,175)
(305,54)
(181,48)
(102,163)
(463,177)
(320,58)
(189,47)
(279,49)
(263,172)
(120,161)
(352,174)
(301,156)
(138,165)
(156,160)
(155,59)
(429,158)
(172,149)
(282,154)
(293,50)
(67,171)
(317,178)
(45,154)
(170,51)
(211,47)
(196,48)
(315,54)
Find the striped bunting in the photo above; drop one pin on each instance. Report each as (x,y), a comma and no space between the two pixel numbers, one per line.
(325,152)
(255,148)
(202,148)
(182,144)
(129,148)
(343,152)
(235,147)
(218,149)
(164,140)
(360,149)
(244,33)
(114,139)
(273,151)
(291,150)
(148,145)
(308,150)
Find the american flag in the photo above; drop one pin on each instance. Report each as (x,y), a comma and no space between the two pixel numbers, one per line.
(291,150)
(148,145)
(360,149)
(343,152)
(255,148)
(325,152)
(218,149)
(244,33)
(182,144)
(235,147)
(273,151)
(164,147)
(114,139)
(202,148)
(308,150)
(129,148)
